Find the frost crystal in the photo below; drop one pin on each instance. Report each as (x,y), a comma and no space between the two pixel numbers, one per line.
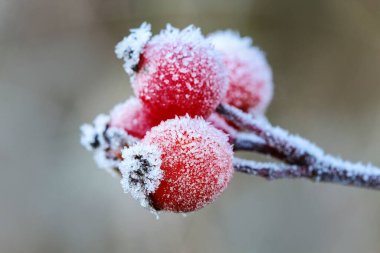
(251,137)
(189,34)
(88,137)
(118,138)
(365,171)
(91,136)
(105,142)
(132,46)
(229,39)
(141,172)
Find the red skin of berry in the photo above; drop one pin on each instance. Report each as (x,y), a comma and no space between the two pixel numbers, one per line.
(177,77)
(250,76)
(196,163)
(246,90)
(132,117)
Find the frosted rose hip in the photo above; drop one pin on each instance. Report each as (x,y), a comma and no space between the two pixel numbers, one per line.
(180,166)
(250,76)
(178,72)
(132,117)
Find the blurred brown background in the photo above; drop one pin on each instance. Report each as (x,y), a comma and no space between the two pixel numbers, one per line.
(58,70)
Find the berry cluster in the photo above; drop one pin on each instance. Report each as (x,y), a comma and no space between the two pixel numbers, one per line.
(172,151)
(196,99)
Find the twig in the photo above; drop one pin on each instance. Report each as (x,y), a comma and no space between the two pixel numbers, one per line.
(243,141)
(291,149)
(268,171)
(295,150)
(273,171)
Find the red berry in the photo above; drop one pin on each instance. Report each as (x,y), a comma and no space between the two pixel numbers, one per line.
(132,117)
(250,76)
(180,166)
(178,72)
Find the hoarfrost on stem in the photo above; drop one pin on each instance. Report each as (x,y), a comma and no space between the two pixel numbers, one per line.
(304,158)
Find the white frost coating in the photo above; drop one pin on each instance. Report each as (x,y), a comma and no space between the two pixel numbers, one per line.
(324,162)
(141,172)
(259,116)
(87,137)
(112,141)
(302,145)
(104,162)
(91,135)
(105,142)
(256,167)
(276,133)
(365,171)
(132,46)
(251,137)
(188,34)
(229,39)
(197,125)
(118,138)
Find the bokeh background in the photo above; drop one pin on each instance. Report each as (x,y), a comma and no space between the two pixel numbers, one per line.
(58,70)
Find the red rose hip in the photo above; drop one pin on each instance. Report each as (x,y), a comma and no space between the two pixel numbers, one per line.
(178,72)
(132,117)
(180,166)
(250,76)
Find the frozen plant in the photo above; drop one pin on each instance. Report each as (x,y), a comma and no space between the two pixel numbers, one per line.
(198,100)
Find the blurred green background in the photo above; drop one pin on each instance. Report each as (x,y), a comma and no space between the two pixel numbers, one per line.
(58,70)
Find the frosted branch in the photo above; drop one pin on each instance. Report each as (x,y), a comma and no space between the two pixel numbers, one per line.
(346,176)
(268,171)
(290,148)
(243,141)
(303,158)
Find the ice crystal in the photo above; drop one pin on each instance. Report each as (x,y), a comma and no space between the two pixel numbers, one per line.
(141,171)
(105,142)
(92,135)
(229,40)
(131,47)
